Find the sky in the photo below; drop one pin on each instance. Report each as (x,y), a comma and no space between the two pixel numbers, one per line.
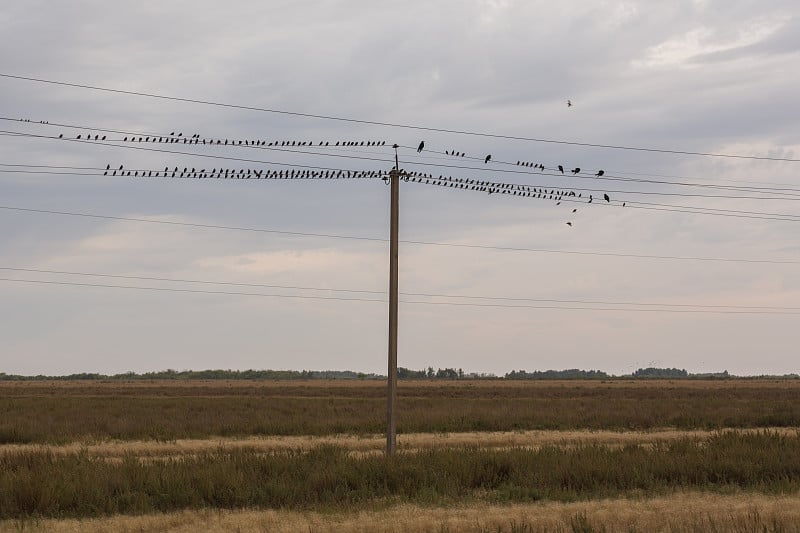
(699,270)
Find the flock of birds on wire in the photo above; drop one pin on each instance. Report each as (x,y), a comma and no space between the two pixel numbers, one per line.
(242,174)
(196,139)
(490,187)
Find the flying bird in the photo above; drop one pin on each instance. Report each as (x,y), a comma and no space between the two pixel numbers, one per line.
(488,157)
(600,173)
(561,169)
(569,103)
(421,146)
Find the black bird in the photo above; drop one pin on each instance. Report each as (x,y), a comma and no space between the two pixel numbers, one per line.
(600,173)
(488,157)
(576,170)
(60,135)
(569,224)
(421,146)
(79,136)
(569,103)
(108,167)
(574,210)
(590,198)
(606,198)
(561,169)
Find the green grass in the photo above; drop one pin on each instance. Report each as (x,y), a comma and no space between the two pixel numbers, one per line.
(44,484)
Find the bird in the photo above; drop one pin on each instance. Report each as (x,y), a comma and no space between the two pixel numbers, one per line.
(574,210)
(600,173)
(488,157)
(60,135)
(606,198)
(569,103)
(561,169)
(576,170)
(569,224)
(421,146)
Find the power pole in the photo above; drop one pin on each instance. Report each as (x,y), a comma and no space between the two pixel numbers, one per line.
(391,396)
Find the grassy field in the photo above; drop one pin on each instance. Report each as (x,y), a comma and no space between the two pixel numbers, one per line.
(694,512)
(160,455)
(61,412)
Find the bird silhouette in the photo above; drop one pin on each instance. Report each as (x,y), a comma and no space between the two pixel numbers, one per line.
(569,103)
(576,170)
(561,169)
(488,157)
(421,146)
(600,173)
(574,210)
(569,224)
(606,198)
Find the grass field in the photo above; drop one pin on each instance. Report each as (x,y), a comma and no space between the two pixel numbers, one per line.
(680,512)
(58,412)
(172,455)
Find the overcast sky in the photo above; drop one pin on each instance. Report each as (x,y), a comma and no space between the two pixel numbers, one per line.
(693,76)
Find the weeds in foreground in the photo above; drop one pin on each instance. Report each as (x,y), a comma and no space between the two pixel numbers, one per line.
(43,484)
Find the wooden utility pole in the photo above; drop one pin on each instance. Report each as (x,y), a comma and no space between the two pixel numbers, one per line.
(391,396)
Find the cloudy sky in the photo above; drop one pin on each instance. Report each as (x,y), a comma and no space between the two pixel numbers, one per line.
(707,248)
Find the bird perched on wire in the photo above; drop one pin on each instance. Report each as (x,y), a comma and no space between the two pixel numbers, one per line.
(599,173)
(561,168)
(421,146)
(488,157)
(606,197)
(576,170)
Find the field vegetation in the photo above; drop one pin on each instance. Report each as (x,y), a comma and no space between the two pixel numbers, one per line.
(202,454)
(61,412)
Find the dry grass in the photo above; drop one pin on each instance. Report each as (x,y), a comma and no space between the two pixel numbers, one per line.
(679,512)
(413,442)
(64,412)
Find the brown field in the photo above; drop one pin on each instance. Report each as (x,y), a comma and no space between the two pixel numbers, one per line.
(62,411)
(62,428)
(694,512)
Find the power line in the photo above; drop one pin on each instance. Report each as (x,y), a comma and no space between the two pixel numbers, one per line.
(422,243)
(430,295)
(195,154)
(460,180)
(784,193)
(456,304)
(559,195)
(592,174)
(396,125)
